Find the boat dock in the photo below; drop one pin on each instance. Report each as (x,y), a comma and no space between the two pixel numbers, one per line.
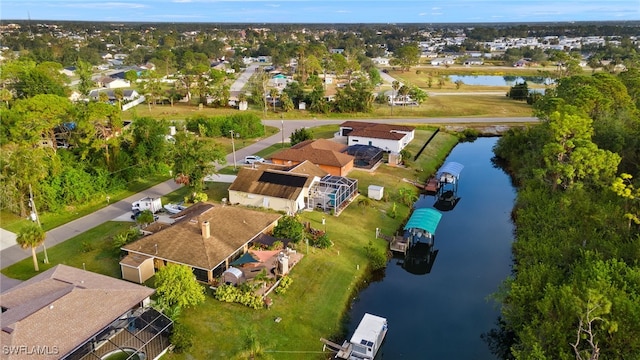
(396,243)
(365,342)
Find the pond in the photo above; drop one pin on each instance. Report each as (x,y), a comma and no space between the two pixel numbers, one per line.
(496,80)
(442,312)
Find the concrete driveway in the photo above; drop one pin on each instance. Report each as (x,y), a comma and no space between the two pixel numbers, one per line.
(7,239)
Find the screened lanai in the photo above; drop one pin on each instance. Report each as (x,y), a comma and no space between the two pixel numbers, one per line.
(332,193)
(366,156)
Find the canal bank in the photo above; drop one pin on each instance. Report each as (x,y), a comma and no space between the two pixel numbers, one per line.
(442,313)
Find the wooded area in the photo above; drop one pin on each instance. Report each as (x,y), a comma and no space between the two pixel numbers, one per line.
(575,288)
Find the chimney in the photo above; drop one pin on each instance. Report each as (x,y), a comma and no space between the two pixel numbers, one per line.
(206,230)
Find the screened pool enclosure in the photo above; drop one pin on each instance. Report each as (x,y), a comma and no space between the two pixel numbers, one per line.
(332,193)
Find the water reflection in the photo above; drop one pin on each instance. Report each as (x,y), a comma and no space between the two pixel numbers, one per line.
(419,259)
(496,80)
(436,301)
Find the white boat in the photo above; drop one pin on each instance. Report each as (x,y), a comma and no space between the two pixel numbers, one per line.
(365,342)
(174,208)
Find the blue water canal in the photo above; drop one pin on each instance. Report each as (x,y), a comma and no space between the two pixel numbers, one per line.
(442,314)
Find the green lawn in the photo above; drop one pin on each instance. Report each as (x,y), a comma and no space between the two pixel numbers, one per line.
(92,249)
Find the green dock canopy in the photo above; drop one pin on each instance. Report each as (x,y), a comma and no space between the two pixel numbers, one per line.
(426,219)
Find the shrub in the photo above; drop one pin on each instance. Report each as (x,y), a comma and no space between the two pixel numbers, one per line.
(289,228)
(181,338)
(277,245)
(128,236)
(285,282)
(322,241)
(377,257)
(243,295)
(87,246)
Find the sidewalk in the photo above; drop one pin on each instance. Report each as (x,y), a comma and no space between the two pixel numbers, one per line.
(13,253)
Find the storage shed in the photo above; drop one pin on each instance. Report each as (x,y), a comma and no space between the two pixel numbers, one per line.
(375,192)
(233,276)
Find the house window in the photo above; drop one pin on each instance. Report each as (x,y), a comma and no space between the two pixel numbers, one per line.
(354,140)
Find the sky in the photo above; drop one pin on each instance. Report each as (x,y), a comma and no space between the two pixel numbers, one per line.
(322,11)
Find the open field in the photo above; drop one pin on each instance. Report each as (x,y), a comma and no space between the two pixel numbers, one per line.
(448,104)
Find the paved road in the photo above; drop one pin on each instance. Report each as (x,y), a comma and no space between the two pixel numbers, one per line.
(13,253)
(237,85)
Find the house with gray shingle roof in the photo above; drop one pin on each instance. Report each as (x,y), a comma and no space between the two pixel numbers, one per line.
(69,313)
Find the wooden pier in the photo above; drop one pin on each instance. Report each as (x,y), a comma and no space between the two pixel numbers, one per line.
(342,351)
(396,243)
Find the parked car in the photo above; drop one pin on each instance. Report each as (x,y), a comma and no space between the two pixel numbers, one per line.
(253,159)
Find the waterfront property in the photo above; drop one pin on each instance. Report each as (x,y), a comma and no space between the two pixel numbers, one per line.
(206,237)
(69,313)
(365,341)
(281,188)
(388,137)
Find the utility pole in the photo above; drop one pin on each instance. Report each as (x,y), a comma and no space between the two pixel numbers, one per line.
(282,131)
(233,146)
(36,218)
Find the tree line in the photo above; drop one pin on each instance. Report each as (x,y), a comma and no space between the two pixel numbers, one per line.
(574,292)
(74,152)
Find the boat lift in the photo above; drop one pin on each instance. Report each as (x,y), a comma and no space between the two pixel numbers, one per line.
(448,179)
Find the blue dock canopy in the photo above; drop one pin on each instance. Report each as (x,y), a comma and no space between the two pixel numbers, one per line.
(452,168)
(426,219)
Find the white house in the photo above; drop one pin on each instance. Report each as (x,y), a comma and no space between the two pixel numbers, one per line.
(128,95)
(381,61)
(390,138)
(442,61)
(114,83)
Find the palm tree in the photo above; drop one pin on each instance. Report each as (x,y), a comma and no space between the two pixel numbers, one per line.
(252,350)
(395,85)
(31,236)
(119,95)
(273,93)
(404,92)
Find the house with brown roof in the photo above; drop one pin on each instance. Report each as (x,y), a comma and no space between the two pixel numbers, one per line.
(388,137)
(205,237)
(277,187)
(329,155)
(292,189)
(69,313)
